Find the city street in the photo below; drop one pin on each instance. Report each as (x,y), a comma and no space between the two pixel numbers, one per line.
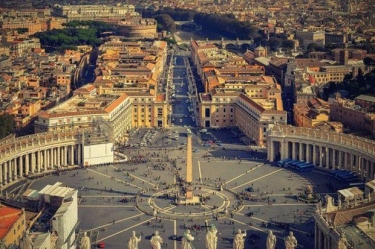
(235,186)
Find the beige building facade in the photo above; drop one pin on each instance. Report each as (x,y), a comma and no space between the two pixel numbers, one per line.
(93,12)
(87,110)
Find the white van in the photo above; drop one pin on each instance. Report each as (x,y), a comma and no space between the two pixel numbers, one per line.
(203,130)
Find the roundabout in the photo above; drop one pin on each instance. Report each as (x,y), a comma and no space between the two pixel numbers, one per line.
(212,203)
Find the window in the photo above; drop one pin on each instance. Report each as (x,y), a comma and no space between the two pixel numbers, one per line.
(207,113)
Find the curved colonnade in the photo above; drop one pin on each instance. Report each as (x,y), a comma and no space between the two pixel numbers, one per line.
(328,150)
(43,152)
(38,153)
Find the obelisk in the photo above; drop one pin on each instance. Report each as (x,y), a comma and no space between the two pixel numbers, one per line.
(189,167)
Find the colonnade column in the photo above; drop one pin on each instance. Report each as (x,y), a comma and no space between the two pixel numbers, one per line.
(300,155)
(66,155)
(314,154)
(346,164)
(15,168)
(27,165)
(39,161)
(58,156)
(363,166)
(72,155)
(5,173)
(351,162)
(340,159)
(49,155)
(333,159)
(308,159)
(33,162)
(21,166)
(53,162)
(79,154)
(294,157)
(358,164)
(62,156)
(45,152)
(321,156)
(327,157)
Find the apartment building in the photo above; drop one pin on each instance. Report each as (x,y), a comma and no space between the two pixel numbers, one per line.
(253,118)
(24,46)
(335,73)
(88,109)
(33,24)
(338,38)
(13,225)
(357,115)
(236,94)
(133,68)
(217,109)
(310,113)
(307,37)
(93,12)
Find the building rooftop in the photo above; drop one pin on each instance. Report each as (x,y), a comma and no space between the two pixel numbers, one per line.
(8,216)
(366,98)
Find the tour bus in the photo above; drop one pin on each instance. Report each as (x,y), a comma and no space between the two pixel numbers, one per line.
(283,161)
(305,167)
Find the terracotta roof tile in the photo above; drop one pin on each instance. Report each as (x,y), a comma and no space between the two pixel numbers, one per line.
(8,216)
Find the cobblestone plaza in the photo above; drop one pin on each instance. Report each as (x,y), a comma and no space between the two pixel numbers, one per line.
(118,199)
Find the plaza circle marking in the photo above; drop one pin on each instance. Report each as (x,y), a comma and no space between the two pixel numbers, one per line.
(166,212)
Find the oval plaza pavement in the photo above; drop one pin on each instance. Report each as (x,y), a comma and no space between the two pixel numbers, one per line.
(118,199)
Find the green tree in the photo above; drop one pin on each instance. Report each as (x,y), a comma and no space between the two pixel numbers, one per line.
(166,22)
(361,78)
(369,61)
(312,47)
(287,44)
(7,125)
(22,30)
(274,44)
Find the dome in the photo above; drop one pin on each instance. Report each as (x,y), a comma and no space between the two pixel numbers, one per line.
(260,48)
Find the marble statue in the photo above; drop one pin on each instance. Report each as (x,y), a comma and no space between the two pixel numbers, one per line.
(26,242)
(343,242)
(238,242)
(84,243)
(186,240)
(156,241)
(290,241)
(211,238)
(133,241)
(271,240)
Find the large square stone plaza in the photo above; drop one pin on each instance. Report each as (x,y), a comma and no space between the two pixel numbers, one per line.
(236,190)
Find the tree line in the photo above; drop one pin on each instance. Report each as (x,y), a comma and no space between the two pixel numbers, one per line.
(223,25)
(76,33)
